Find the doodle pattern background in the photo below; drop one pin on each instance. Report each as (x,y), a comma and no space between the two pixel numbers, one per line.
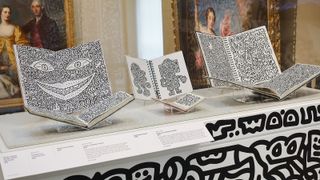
(44,72)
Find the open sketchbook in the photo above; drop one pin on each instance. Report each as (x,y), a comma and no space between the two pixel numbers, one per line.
(285,83)
(246,57)
(69,85)
(161,78)
(185,103)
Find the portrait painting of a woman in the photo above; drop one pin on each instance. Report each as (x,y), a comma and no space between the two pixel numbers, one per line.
(216,17)
(10,34)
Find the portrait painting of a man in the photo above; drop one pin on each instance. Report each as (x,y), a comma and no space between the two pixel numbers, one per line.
(43,31)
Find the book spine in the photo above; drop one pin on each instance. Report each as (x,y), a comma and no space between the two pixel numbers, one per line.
(153,79)
(231,60)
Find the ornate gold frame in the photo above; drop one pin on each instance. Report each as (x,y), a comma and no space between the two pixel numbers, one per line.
(16,104)
(274,26)
(68,9)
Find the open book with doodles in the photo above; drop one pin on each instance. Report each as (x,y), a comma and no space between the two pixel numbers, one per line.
(185,103)
(282,85)
(161,78)
(247,57)
(70,85)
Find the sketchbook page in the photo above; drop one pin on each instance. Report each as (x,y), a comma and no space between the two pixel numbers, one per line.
(105,108)
(291,79)
(235,83)
(66,81)
(253,56)
(141,78)
(216,58)
(171,75)
(187,101)
(57,116)
(184,103)
(89,117)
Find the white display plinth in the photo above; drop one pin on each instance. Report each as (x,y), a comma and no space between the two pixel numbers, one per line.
(31,147)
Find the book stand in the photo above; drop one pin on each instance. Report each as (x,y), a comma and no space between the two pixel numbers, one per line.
(244,95)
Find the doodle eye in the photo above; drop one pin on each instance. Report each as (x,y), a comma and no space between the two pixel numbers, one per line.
(78,63)
(292,147)
(277,150)
(42,66)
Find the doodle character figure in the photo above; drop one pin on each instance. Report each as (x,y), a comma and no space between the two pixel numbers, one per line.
(140,80)
(169,78)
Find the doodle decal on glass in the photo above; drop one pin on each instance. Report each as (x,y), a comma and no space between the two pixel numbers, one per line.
(169,78)
(234,128)
(295,156)
(140,80)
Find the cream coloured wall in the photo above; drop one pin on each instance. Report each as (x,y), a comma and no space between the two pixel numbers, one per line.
(113,22)
(308,30)
(104,20)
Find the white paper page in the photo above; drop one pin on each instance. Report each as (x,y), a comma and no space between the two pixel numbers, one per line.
(291,79)
(140,76)
(172,75)
(188,101)
(216,58)
(253,56)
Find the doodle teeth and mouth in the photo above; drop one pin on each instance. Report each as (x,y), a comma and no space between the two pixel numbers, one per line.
(68,89)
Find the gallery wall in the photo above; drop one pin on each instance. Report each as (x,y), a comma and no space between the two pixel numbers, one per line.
(114,23)
(307,34)
(104,20)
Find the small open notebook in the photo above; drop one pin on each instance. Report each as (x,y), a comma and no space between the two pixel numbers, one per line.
(69,85)
(283,84)
(247,57)
(161,78)
(185,103)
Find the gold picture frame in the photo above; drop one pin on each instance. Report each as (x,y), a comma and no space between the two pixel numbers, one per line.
(184,17)
(21,14)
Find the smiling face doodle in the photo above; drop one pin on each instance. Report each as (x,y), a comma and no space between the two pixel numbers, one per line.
(68,80)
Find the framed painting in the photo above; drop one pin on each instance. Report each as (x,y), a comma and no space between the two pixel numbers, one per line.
(220,17)
(39,23)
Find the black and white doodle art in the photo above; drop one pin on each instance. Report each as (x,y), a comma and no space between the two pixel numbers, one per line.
(296,156)
(66,81)
(246,57)
(253,56)
(188,100)
(226,129)
(216,58)
(272,154)
(140,80)
(103,106)
(169,78)
(292,77)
